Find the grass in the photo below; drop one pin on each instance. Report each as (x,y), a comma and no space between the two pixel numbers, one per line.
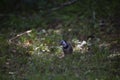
(77,66)
(44,63)
(36,55)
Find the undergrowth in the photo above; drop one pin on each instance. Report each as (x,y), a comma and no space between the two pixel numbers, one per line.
(36,54)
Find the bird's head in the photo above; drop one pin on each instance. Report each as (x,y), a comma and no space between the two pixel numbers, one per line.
(63,43)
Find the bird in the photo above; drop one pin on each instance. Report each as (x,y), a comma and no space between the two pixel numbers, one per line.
(67,47)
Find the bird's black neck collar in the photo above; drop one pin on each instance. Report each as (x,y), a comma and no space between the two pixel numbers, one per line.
(66,46)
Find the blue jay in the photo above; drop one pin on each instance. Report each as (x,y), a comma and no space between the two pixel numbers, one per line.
(67,47)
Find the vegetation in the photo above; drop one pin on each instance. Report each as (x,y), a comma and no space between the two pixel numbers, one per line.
(30,32)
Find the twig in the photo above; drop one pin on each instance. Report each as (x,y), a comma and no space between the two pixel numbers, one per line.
(18,35)
(63,5)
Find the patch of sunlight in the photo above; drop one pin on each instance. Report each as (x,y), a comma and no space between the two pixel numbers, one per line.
(114,55)
(84,45)
(47,42)
(80,46)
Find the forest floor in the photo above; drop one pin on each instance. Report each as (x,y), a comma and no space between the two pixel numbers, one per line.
(35,54)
